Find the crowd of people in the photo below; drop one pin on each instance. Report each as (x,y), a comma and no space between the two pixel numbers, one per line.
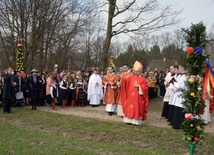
(125,93)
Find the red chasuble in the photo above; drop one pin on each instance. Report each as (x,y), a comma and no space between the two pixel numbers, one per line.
(135,102)
(123,75)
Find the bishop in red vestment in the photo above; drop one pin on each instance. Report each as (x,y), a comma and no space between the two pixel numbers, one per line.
(134,96)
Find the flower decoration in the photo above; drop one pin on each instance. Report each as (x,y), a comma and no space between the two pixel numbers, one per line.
(198,127)
(196,139)
(190,50)
(20,45)
(193,128)
(188,116)
(191,79)
(191,38)
(194,79)
(197,79)
(192,94)
(55,100)
(200,80)
(198,50)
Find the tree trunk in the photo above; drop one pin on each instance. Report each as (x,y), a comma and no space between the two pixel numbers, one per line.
(107,43)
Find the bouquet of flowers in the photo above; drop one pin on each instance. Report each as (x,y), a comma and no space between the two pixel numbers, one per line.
(55,100)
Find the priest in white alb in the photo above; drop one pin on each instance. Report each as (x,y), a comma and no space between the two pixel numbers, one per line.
(95,91)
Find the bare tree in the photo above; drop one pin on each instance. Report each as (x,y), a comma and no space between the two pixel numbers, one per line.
(139,42)
(48,30)
(165,39)
(139,18)
(97,50)
(155,40)
(178,39)
(211,33)
(89,38)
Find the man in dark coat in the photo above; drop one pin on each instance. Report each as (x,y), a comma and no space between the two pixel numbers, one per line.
(8,90)
(33,86)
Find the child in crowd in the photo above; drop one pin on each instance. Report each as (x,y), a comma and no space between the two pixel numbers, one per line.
(85,89)
(80,92)
(54,94)
(63,87)
(72,88)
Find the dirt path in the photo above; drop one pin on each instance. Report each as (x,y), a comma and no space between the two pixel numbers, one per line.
(154,114)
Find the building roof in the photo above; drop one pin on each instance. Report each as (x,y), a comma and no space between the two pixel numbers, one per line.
(161,64)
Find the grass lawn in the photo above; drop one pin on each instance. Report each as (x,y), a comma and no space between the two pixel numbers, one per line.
(26,132)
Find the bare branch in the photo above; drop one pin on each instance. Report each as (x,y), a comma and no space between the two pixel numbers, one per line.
(124,9)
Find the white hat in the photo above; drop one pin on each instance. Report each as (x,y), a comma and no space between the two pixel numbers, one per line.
(34,71)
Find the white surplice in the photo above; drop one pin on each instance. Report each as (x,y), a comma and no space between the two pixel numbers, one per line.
(95,91)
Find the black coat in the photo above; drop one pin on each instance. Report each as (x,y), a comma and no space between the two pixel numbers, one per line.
(33,88)
(8,87)
(18,87)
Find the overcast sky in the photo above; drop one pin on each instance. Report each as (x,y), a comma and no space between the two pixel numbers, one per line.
(194,11)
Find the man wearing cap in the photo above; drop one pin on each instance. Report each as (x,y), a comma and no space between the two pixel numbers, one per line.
(33,86)
(134,96)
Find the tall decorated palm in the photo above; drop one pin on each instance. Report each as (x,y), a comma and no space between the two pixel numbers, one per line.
(193,125)
(19,62)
